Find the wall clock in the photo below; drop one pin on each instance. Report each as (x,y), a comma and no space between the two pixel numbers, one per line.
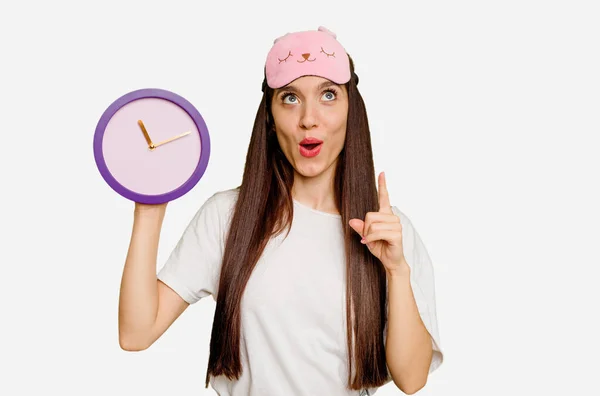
(151,146)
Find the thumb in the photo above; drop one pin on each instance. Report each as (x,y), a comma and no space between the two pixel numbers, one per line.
(357,225)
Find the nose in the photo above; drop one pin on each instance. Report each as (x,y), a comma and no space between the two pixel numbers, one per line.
(308,119)
(305,56)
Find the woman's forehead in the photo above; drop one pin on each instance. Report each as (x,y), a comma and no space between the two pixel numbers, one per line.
(308,84)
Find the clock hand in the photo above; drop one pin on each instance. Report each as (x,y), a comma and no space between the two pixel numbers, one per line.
(145,132)
(173,138)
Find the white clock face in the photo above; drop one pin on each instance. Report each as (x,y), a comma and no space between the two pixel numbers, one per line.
(151,146)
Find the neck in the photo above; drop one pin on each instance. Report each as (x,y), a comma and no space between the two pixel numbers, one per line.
(316,192)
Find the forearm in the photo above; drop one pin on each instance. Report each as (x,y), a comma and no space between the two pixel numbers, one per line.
(408,343)
(138,300)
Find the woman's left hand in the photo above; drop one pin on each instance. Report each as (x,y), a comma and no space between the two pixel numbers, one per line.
(382,232)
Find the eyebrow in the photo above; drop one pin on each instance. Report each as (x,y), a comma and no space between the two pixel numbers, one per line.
(291,88)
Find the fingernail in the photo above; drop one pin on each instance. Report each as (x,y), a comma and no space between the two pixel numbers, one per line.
(362,240)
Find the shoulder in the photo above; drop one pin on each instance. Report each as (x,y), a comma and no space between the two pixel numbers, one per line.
(219,206)
(223,200)
(211,219)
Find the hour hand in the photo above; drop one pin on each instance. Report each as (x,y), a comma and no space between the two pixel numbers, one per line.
(145,132)
(173,138)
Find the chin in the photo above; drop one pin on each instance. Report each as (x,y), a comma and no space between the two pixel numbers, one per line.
(310,168)
(309,171)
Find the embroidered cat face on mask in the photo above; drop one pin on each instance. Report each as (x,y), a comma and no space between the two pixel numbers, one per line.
(307,53)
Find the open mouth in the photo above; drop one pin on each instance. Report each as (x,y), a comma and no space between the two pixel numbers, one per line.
(310,146)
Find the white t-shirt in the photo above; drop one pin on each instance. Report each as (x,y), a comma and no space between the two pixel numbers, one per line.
(293,319)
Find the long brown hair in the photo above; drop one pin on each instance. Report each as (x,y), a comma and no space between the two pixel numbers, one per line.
(264,209)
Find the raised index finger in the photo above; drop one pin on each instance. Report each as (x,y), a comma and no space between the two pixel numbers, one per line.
(384,198)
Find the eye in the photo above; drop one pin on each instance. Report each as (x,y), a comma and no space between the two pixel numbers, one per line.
(328,55)
(286,95)
(331,94)
(283,60)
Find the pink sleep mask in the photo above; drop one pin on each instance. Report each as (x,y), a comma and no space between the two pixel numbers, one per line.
(306,53)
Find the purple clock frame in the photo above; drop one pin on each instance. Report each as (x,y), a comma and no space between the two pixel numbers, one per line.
(187,107)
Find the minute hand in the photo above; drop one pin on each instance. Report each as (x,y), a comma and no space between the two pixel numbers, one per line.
(173,138)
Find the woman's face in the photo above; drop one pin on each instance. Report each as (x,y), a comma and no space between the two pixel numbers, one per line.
(311,107)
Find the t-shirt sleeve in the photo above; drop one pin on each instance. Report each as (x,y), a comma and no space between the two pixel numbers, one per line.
(422,283)
(192,269)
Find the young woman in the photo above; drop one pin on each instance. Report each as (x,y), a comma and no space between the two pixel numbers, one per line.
(322,286)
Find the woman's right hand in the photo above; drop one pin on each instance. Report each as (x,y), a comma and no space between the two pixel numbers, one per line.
(141,208)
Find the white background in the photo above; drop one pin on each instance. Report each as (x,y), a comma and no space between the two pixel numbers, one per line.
(484,115)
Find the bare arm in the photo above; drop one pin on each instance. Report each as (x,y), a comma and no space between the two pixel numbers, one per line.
(408,347)
(147,307)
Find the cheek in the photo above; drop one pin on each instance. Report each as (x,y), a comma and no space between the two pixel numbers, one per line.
(339,118)
(339,132)
(285,140)
(339,139)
